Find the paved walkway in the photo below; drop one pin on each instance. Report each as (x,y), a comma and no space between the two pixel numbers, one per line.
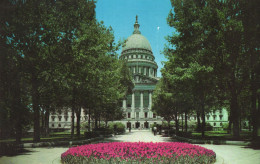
(226,154)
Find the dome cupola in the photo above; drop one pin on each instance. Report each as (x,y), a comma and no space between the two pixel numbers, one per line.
(137,40)
(138,53)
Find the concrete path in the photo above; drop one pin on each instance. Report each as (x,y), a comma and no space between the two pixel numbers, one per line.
(226,154)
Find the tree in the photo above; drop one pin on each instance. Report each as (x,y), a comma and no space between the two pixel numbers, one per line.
(211,48)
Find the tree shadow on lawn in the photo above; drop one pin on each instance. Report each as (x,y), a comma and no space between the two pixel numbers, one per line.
(254,147)
(16,152)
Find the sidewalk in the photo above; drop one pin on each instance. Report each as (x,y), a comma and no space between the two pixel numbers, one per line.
(226,154)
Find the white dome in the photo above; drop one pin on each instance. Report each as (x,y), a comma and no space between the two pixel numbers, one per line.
(137,41)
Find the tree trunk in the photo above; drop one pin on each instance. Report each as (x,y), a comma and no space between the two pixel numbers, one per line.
(89,120)
(96,123)
(235,114)
(42,121)
(253,106)
(17,110)
(47,116)
(73,109)
(203,121)
(186,122)
(72,121)
(36,109)
(169,127)
(182,122)
(78,113)
(198,122)
(176,123)
(230,118)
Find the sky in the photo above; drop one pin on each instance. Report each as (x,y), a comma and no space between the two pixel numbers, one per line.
(152,17)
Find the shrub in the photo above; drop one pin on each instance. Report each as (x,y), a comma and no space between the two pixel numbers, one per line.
(225,126)
(116,127)
(139,152)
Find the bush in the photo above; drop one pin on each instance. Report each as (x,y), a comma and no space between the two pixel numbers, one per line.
(103,131)
(139,152)
(116,127)
(165,125)
(225,126)
(185,134)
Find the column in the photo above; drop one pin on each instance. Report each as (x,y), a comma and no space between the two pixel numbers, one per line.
(134,69)
(141,104)
(150,105)
(124,103)
(133,106)
(145,71)
(150,100)
(149,72)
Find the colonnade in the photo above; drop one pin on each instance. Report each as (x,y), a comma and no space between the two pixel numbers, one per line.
(133,107)
(149,71)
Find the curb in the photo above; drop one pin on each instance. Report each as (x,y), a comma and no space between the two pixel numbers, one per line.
(213,142)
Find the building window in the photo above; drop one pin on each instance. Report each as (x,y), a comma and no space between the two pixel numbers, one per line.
(137,114)
(66,118)
(221,124)
(52,125)
(154,115)
(59,125)
(129,115)
(60,118)
(220,117)
(129,100)
(220,111)
(146,99)
(214,124)
(195,118)
(207,117)
(145,115)
(214,117)
(59,112)
(53,118)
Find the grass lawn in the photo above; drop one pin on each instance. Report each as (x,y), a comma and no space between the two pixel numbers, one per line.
(55,136)
(221,135)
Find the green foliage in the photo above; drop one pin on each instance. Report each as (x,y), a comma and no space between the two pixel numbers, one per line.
(225,126)
(210,57)
(58,55)
(116,127)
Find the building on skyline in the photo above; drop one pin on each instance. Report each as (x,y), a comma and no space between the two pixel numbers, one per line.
(137,52)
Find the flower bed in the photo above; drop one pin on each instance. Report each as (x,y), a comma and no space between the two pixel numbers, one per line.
(139,152)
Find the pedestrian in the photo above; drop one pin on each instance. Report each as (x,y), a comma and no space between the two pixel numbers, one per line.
(154,130)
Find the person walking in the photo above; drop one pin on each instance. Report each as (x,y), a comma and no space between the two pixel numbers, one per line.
(154,130)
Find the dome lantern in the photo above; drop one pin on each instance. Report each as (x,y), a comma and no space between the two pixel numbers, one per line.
(136,26)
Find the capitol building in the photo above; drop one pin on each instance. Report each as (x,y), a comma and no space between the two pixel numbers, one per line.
(138,54)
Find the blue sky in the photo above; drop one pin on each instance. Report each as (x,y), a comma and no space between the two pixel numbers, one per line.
(120,15)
